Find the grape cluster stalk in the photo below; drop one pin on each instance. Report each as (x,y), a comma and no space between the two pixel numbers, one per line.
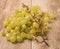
(27,23)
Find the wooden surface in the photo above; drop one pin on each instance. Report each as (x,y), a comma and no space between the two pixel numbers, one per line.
(53,6)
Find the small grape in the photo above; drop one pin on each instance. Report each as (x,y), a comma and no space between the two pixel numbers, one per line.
(17,28)
(8,35)
(51,16)
(23,26)
(44,29)
(16,13)
(23,35)
(27,29)
(35,25)
(29,36)
(13,39)
(13,32)
(8,28)
(12,24)
(33,31)
(45,19)
(6,23)
(3,33)
(19,38)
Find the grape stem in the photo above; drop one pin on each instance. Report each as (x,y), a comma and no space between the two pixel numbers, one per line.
(42,35)
(45,41)
(41,41)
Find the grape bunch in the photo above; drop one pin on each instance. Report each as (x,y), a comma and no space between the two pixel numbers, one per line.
(26,23)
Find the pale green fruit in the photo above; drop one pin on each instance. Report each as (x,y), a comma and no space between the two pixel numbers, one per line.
(29,36)
(35,25)
(8,36)
(3,33)
(19,38)
(13,39)
(23,35)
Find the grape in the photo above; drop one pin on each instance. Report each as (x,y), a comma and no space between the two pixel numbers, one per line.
(8,35)
(24,9)
(27,29)
(23,27)
(35,10)
(13,32)
(35,25)
(16,13)
(29,36)
(6,23)
(23,21)
(3,33)
(51,16)
(17,28)
(26,23)
(33,31)
(19,38)
(13,39)
(8,28)
(23,35)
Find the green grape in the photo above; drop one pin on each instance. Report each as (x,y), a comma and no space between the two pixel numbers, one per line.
(28,16)
(13,24)
(29,36)
(6,23)
(8,28)
(3,33)
(26,23)
(23,22)
(35,10)
(33,31)
(45,24)
(13,32)
(23,35)
(44,29)
(19,38)
(16,13)
(51,16)
(35,25)
(17,28)
(29,23)
(45,19)
(19,19)
(27,30)
(38,17)
(13,39)
(23,26)
(39,12)
(8,36)
(24,9)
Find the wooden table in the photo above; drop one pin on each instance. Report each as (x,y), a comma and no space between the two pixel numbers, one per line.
(53,6)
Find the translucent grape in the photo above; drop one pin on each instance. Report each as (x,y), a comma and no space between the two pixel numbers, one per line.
(8,36)
(35,25)
(3,33)
(19,38)
(29,36)
(23,35)
(13,39)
